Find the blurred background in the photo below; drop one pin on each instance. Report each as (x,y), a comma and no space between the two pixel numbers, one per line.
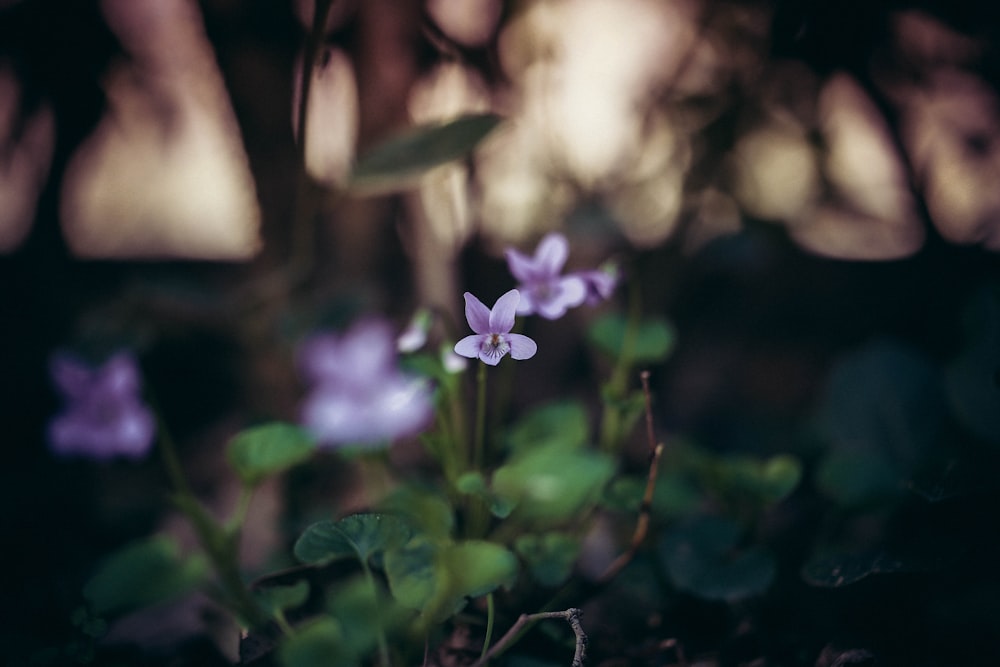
(806,189)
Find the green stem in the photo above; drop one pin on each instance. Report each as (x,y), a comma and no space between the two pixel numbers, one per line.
(221,545)
(479,445)
(383,644)
(617,385)
(490,617)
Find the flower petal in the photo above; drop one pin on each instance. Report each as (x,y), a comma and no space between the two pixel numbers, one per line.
(72,377)
(477,314)
(502,316)
(521,266)
(551,254)
(521,347)
(568,292)
(469,346)
(490,359)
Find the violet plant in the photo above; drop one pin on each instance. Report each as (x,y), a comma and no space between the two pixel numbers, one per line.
(505,512)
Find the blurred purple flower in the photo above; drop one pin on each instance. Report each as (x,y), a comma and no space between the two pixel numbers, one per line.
(493,339)
(104,416)
(543,290)
(357,393)
(600,283)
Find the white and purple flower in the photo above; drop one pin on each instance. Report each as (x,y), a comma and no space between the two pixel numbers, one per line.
(357,394)
(544,290)
(104,416)
(493,338)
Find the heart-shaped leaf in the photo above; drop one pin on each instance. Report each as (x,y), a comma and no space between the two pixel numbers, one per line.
(143,573)
(701,558)
(267,450)
(359,536)
(650,341)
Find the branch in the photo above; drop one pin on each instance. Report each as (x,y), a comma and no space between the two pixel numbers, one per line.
(572,617)
(642,523)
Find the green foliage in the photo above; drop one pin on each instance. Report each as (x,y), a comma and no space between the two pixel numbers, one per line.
(651,341)
(551,484)
(549,556)
(276,600)
(426,509)
(357,536)
(474,484)
(363,611)
(702,557)
(396,163)
(840,569)
(143,573)
(883,413)
(563,423)
(267,450)
(436,577)
(319,643)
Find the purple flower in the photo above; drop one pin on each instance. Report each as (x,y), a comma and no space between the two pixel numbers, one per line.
(600,283)
(104,416)
(543,290)
(493,339)
(357,393)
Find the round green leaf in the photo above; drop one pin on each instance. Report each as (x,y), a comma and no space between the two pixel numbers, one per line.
(553,484)
(700,558)
(436,578)
(281,598)
(473,484)
(652,340)
(396,163)
(550,557)
(143,573)
(841,569)
(319,643)
(564,423)
(359,536)
(267,450)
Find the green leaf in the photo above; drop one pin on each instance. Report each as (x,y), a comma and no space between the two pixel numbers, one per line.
(564,423)
(883,412)
(652,340)
(701,558)
(674,495)
(266,450)
(841,569)
(278,599)
(859,478)
(550,557)
(319,643)
(473,484)
(551,484)
(399,161)
(143,573)
(425,508)
(437,577)
(412,573)
(362,611)
(359,536)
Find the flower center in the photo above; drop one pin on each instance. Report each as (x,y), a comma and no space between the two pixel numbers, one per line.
(494,345)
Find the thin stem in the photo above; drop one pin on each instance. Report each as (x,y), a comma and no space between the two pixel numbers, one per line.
(490,617)
(221,545)
(572,616)
(383,644)
(646,509)
(479,444)
(617,386)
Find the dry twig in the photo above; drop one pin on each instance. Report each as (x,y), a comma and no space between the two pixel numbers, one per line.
(572,617)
